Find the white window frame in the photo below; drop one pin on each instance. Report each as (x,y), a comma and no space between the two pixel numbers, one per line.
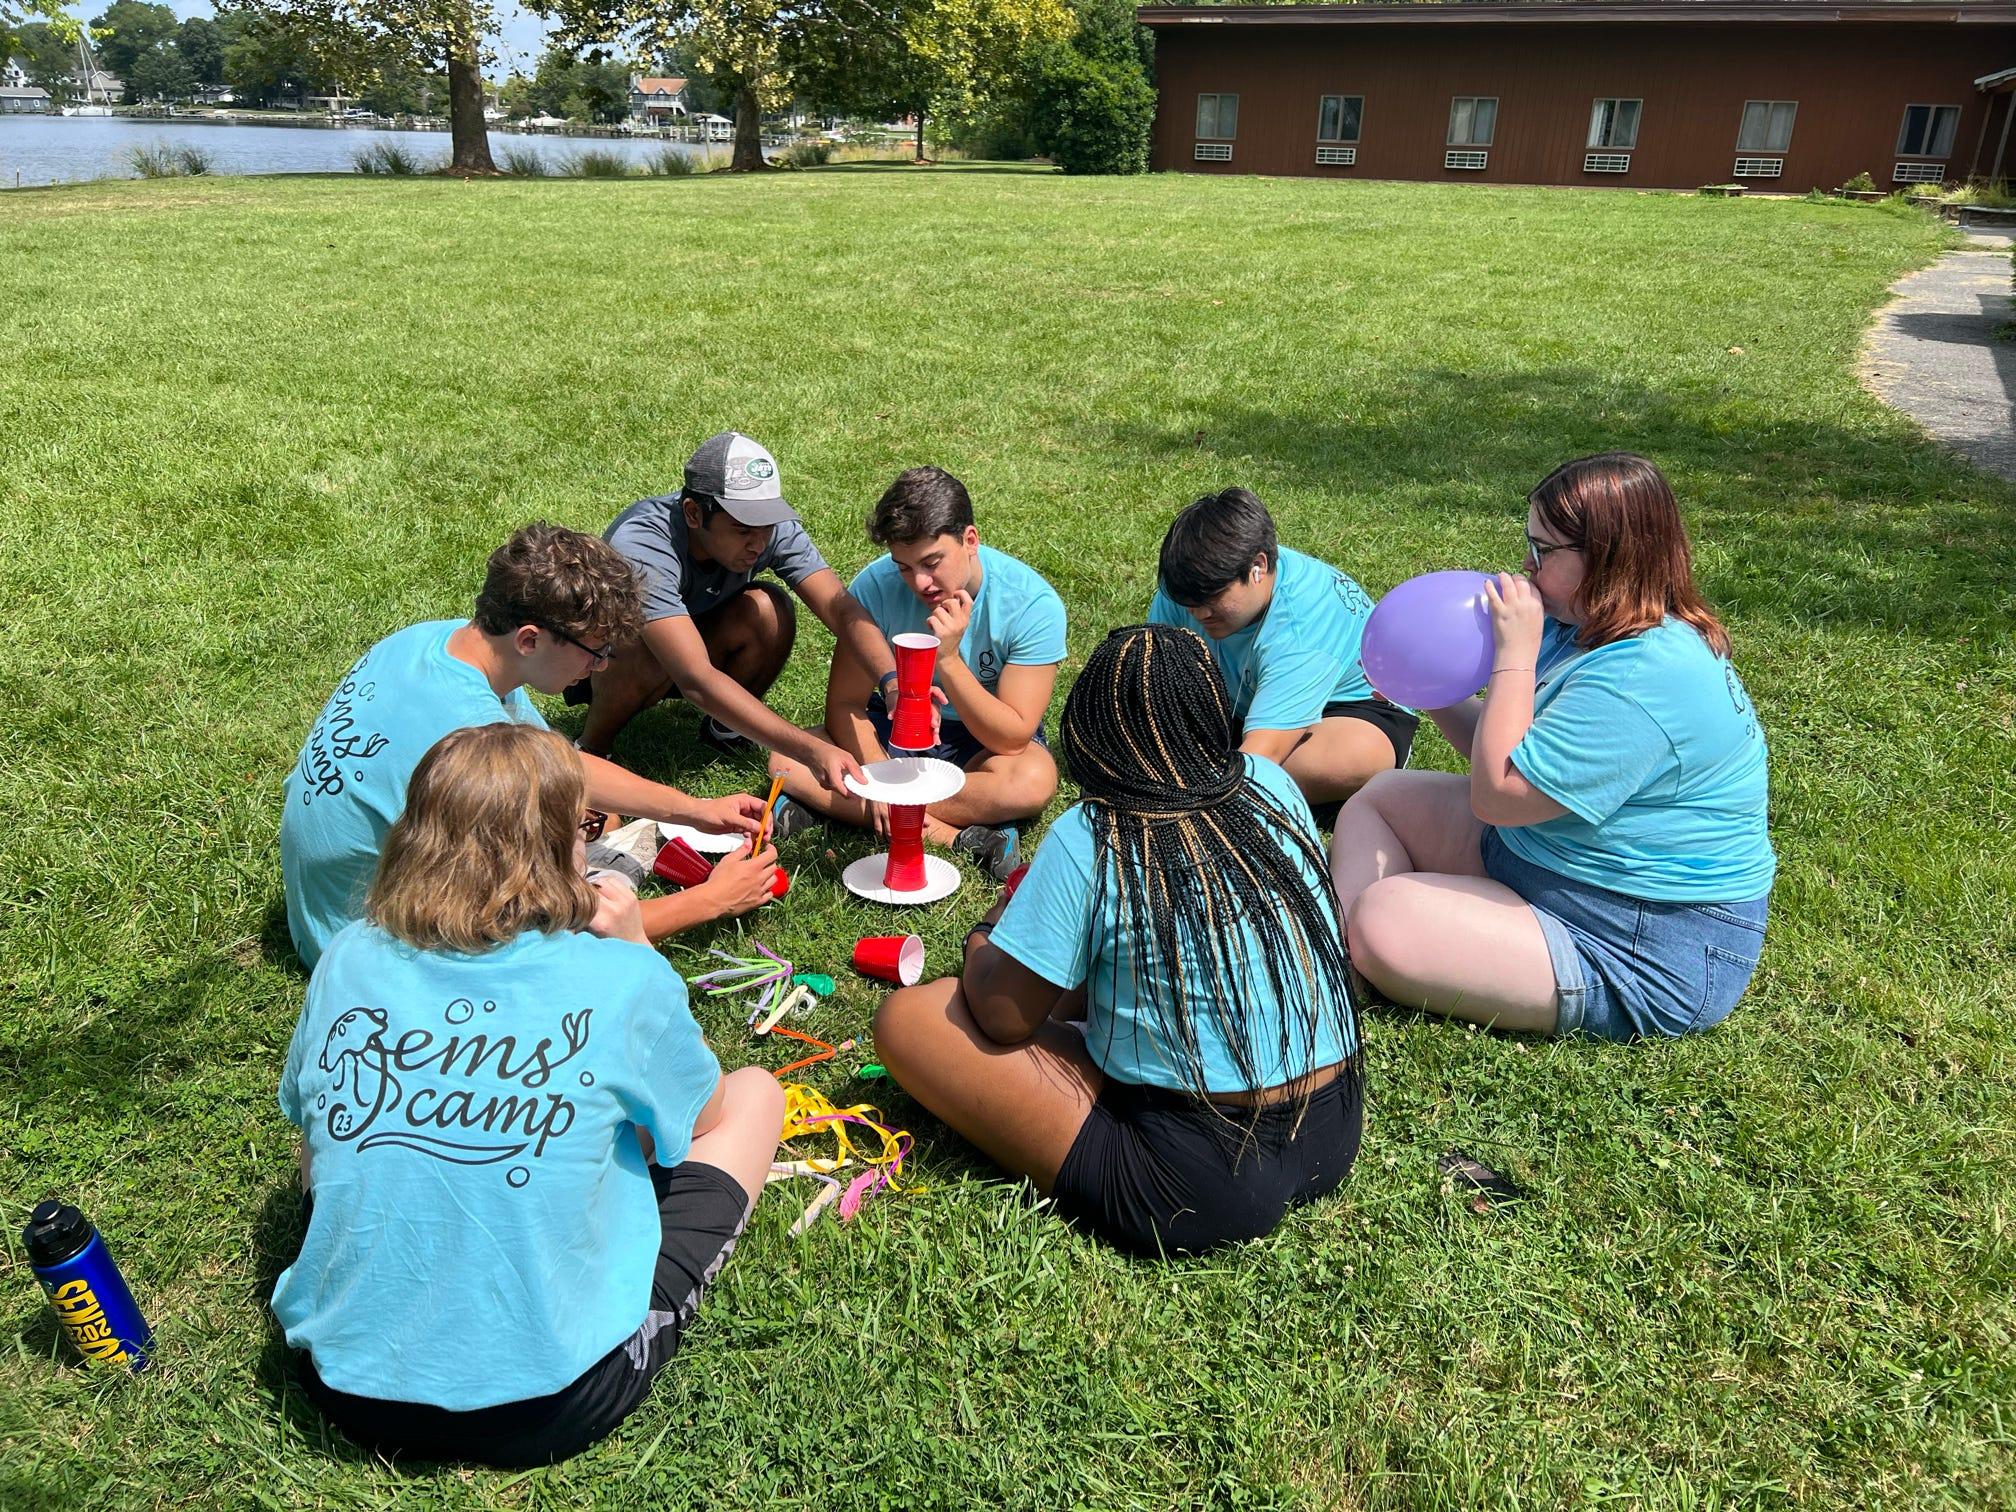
(1473,101)
(1597,124)
(1770,146)
(1351,140)
(1931,148)
(1217,117)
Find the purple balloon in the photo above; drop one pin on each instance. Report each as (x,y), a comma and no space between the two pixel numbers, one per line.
(1428,643)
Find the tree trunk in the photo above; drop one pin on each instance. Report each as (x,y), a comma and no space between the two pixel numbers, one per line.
(920,134)
(466,126)
(748,154)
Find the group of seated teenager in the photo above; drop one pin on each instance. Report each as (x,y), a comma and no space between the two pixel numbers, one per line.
(516,1138)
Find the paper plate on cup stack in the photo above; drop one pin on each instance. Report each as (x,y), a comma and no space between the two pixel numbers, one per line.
(908,781)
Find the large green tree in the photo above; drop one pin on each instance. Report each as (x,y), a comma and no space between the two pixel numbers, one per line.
(17,15)
(160,74)
(359,39)
(200,41)
(127,30)
(48,56)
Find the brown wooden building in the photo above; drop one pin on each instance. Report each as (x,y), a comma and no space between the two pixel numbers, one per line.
(1785,95)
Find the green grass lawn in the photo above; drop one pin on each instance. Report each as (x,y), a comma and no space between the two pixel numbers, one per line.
(250,427)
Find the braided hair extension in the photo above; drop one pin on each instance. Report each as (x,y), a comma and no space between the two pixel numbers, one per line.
(1192,854)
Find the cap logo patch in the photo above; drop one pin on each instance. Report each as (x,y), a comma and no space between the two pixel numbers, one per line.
(748,474)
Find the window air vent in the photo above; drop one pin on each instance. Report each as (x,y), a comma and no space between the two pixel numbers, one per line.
(1338,157)
(1468,161)
(1214,152)
(1759,167)
(1607,162)
(1919,173)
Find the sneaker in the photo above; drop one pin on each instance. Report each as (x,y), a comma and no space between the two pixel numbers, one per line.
(995,850)
(718,737)
(606,858)
(638,840)
(788,819)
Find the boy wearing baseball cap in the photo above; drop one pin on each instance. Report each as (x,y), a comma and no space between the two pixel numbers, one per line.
(712,634)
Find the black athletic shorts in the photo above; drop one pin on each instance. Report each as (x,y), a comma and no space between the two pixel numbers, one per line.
(701,1210)
(1156,1172)
(1392,721)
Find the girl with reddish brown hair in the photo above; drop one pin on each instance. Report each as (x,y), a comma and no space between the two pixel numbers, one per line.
(1605,866)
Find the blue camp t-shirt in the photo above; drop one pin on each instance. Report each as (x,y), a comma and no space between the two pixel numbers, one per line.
(1048,926)
(1652,746)
(484,1225)
(1302,654)
(349,783)
(1017,621)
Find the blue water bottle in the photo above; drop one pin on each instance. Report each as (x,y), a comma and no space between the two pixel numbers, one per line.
(85,1287)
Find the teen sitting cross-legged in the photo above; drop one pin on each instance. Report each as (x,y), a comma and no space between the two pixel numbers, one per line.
(1001,634)
(1157,1027)
(554,605)
(1605,866)
(523,1164)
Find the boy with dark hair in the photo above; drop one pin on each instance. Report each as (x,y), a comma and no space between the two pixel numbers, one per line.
(1001,634)
(712,634)
(1284,630)
(554,604)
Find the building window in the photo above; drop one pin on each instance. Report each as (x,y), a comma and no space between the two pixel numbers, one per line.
(1614,123)
(1472,119)
(1767,125)
(1338,118)
(1218,116)
(1928,130)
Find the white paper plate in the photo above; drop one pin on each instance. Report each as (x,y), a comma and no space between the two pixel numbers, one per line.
(707,842)
(908,780)
(864,880)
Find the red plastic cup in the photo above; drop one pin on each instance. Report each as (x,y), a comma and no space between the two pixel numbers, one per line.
(890,958)
(681,865)
(1014,881)
(916,662)
(905,871)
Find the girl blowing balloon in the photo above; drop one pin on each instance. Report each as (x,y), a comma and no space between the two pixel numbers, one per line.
(524,1163)
(1605,866)
(1181,913)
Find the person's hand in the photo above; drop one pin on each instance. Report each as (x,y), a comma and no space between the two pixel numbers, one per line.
(878,818)
(1517,618)
(737,814)
(832,766)
(949,620)
(741,882)
(618,915)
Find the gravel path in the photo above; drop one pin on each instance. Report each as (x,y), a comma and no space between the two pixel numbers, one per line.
(1934,353)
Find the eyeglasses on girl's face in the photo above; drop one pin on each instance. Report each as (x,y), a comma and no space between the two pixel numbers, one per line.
(1538,550)
(593,821)
(597,658)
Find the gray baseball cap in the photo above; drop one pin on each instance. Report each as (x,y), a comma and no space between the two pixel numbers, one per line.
(742,476)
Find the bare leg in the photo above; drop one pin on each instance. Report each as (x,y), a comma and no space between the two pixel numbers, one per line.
(1339,757)
(1465,947)
(749,638)
(744,1142)
(1405,822)
(1023,1105)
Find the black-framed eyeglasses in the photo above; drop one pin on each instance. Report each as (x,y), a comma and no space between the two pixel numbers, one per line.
(1541,550)
(599,658)
(593,821)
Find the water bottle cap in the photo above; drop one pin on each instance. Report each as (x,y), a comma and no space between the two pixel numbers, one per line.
(55,1232)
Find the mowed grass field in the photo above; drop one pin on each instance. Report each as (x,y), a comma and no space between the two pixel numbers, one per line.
(250,427)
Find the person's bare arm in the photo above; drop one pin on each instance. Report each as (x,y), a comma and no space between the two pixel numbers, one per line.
(740,884)
(1499,792)
(615,790)
(1004,721)
(1008,1001)
(1272,745)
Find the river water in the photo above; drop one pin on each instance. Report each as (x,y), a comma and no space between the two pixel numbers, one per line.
(66,149)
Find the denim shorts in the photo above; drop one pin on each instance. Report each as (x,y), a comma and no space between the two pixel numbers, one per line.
(1629,968)
(956,743)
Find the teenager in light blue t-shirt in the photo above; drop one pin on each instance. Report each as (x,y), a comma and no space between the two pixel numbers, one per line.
(1605,866)
(523,1162)
(1284,629)
(1001,634)
(553,603)
(1181,915)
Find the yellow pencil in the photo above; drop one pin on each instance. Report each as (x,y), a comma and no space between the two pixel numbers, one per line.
(769,807)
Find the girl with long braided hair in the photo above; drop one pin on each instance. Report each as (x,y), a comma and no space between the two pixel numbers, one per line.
(1156,1027)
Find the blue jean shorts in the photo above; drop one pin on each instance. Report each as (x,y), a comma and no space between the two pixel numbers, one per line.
(956,743)
(1628,968)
